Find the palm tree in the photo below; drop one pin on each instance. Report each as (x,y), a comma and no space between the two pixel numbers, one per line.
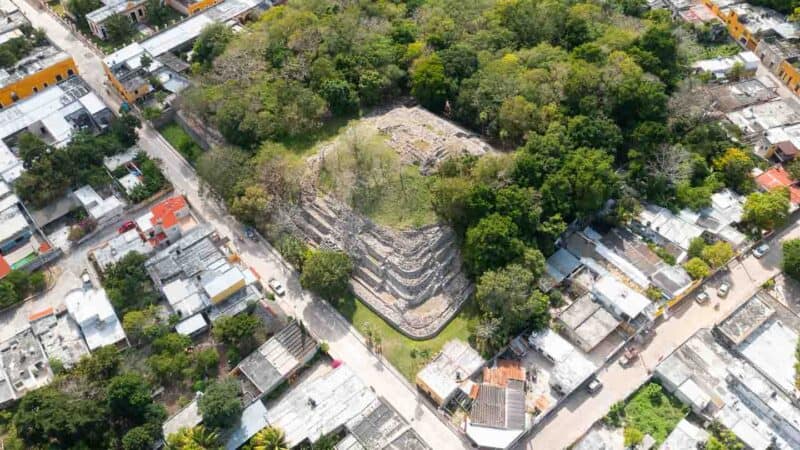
(270,438)
(195,438)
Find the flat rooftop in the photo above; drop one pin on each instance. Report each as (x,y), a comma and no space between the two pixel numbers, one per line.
(59,110)
(455,363)
(588,321)
(120,246)
(745,319)
(37,60)
(720,386)
(184,32)
(761,117)
(279,356)
(187,417)
(60,336)
(732,96)
(24,362)
(319,406)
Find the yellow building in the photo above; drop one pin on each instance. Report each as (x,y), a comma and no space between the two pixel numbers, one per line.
(790,75)
(44,67)
(748,24)
(190,7)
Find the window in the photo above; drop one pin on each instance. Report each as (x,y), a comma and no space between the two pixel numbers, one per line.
(14,97)
(59,78)
(70,73)
(35,89)
(141,13)
(45,85)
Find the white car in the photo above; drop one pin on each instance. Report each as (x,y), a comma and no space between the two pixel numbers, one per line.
(277,287)
(723,289)
(86,278)
(761,250)
(702,298)
(594,386)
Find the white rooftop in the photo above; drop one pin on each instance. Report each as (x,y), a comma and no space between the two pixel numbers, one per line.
(48,107)
(620,297)
(113,162)
(187,417)
(252,420)
(686,435)
(571,366)
(771,349)
(455,363)
(96,317)
(12,219)
(192,325)
(719,67)
(763,116)
(338,397)
(96,206)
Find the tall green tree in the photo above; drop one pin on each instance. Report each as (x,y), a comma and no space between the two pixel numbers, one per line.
(767,210)
(493,242)
(429,84)
(327,273)
(220,405)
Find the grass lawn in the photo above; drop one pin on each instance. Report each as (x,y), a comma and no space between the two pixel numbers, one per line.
(653,411)
(182,142)
(397,348)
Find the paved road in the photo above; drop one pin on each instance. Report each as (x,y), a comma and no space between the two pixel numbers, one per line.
(321,319)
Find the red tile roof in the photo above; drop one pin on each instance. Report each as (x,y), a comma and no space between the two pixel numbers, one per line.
(164,212)
(5,268)
(38,315)
(504,371)
(777,177)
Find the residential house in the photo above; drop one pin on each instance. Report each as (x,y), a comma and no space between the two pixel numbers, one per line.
(449,371)
(135,10)
(93,312)
(131,68)
(44,65)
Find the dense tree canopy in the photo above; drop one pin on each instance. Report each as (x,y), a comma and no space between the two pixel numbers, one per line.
(326,273)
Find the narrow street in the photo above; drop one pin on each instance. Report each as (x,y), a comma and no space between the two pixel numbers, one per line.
(325,322)
(579,412)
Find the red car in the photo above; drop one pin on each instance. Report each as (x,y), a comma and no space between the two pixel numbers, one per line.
(127,226)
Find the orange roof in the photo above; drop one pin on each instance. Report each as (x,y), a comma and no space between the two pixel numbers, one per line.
(473,392)
(164,212)
(5,269)
(44,247)
(38,315)
(504,371)
(777,177)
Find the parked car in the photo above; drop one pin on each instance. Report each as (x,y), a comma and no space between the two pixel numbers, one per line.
(702,298)
(761,250)
(87,280)
(594,386)
(127,226)
(723,289)
(628,357)
(250,233)
(277,287)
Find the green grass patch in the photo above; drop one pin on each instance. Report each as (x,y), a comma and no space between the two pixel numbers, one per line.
(406,355)
(181,140)
(364,172)
(651,410)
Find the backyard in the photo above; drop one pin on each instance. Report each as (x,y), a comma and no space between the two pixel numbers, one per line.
(406,355)
(650,410)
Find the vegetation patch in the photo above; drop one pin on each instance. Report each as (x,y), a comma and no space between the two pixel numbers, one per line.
(181,141)
(406,355)
(368,175)
(651,411)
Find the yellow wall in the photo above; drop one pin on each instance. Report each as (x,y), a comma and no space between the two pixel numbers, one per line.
(232,289)
(201,5)
(739,32)
(130,97)
(790,75)
(24,87)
